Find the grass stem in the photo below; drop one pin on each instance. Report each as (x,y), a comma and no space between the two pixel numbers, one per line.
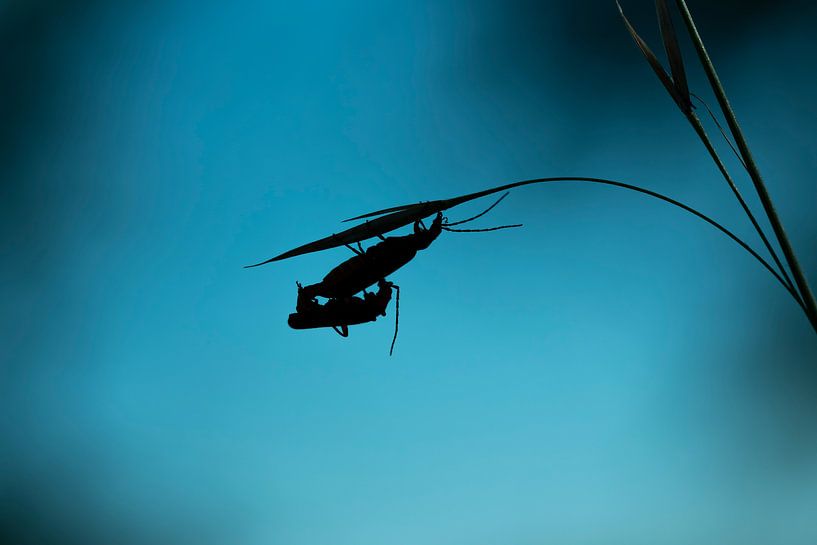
(807,297)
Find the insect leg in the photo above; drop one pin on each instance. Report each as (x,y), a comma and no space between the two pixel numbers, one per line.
(396,318)
(355,250)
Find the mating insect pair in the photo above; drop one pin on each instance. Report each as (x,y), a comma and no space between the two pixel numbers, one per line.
(366,268)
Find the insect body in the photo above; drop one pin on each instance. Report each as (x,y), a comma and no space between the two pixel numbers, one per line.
(375,263)
(340,312)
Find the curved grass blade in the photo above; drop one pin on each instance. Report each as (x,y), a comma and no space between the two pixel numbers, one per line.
(396,217)
(386,211)
(406,215)
(676,61)
(654,63)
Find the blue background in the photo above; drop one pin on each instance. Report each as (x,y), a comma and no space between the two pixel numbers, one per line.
(614,372)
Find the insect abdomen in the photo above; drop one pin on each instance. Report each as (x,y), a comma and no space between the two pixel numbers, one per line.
(360,272)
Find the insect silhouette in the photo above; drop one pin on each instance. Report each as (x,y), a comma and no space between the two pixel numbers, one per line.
(340,313)
(366,268)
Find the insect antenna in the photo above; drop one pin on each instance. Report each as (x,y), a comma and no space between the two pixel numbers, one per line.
(481,230)
(447,226)
(499,200)
(396,318)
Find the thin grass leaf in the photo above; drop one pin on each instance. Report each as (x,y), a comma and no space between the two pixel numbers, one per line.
(654,63)
(676,61)
(396,217)
(409,214)
(381,212)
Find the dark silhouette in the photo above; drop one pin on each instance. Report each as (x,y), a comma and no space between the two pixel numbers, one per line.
(363,270)
(395,218)
(339,313)
(368,266)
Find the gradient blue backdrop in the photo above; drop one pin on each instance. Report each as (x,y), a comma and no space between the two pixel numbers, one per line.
(614,372)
